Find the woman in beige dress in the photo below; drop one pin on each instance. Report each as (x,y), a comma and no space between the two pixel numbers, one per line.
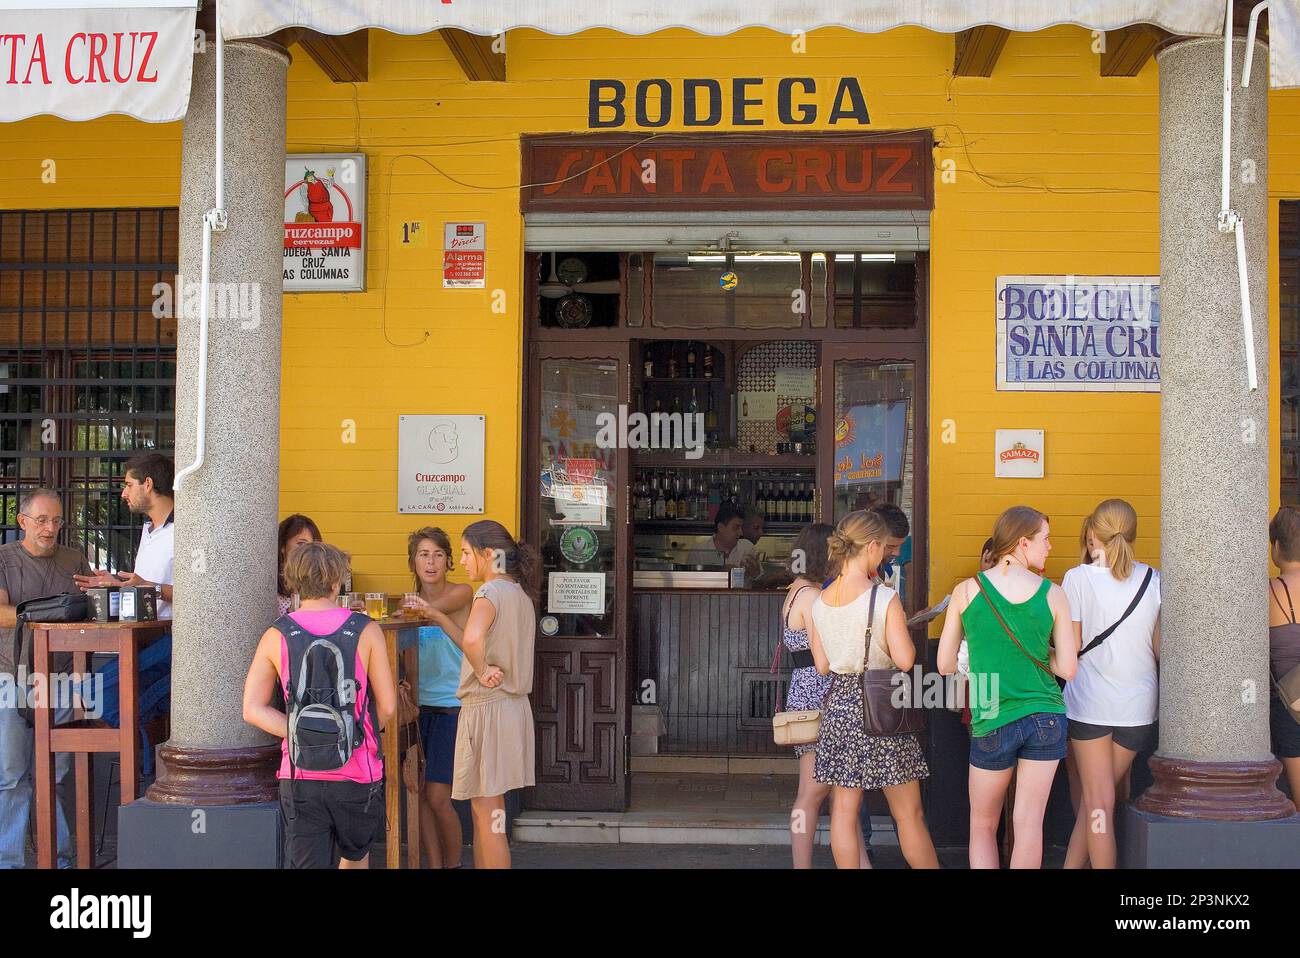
(494,738)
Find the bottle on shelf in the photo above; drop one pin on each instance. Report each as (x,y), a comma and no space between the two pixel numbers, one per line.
(677,403)
(672,362)
(683,501)
(649,367)
(660,505)
(690,360)
(694,406)
(710,421)
(670,497)
(708,361)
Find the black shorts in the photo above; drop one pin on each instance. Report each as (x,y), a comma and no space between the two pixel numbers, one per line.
(1135,738)
(326,820)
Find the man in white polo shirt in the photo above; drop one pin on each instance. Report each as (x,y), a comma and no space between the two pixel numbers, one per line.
(147,489)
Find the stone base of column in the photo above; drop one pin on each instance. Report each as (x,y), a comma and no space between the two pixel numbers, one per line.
(1215,791)
(1156,841)
(152,835)
(207,777)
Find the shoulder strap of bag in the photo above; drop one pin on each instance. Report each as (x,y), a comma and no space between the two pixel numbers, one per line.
(1288,598)
(1103,636)
(785,621)
(871,625)
(1005,628)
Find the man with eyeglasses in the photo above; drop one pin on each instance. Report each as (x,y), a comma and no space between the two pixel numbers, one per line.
(31,568)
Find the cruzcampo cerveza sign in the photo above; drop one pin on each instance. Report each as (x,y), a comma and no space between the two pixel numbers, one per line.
(736,171)
(324,222)
(1078,333)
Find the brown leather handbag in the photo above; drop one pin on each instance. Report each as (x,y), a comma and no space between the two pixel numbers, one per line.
(881,716)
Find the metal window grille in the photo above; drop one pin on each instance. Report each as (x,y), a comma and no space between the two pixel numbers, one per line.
(87,371)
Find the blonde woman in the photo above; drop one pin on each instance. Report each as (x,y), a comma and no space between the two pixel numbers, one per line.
(494,737)
(848,759)
(1113,699)
(1019,634)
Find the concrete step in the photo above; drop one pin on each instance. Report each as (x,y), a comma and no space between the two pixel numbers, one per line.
(717,764)
(676,827)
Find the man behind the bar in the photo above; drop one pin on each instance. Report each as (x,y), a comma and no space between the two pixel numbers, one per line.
(147,490)
(34,567)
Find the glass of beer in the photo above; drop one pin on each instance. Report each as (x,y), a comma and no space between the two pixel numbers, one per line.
(408,605)
(375,604)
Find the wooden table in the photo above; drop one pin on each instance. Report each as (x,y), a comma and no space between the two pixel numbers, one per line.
(82,639)
(402,638)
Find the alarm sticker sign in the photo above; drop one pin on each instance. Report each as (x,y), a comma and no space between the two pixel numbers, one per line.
(464,256)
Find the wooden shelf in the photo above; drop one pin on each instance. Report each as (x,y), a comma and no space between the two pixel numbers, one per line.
(701,527)
(720,458)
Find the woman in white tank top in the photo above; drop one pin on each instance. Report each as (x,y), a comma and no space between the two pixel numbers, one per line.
(848,759)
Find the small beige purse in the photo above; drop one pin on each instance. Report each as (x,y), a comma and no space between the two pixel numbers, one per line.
(796,728)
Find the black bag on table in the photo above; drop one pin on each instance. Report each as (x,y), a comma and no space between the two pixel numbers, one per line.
(65,607)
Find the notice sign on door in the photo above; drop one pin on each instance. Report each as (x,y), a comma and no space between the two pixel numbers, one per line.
(464,256)
(324,222)
(440,464)
(575,592)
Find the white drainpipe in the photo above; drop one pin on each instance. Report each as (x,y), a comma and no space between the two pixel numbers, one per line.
(1229,219)
(214,221)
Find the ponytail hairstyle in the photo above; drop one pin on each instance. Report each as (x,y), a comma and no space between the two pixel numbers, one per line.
(1018,522)
(854,533)
(520,559)
(1114,524)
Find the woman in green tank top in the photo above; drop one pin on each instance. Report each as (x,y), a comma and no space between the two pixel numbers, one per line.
(1019,634)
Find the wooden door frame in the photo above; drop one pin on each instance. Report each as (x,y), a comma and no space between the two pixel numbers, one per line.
(539,350)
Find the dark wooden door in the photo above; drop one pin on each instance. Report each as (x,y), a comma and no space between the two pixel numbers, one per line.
(577,514)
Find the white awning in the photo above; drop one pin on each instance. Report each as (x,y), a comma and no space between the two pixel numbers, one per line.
(254,18)
(81,59)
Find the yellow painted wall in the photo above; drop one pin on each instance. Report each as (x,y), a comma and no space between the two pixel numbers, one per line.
(1056,171)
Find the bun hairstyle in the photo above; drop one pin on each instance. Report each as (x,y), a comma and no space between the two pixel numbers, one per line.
(521,560)
(1284,533)
(1114,524)
(1018,522)
(854,533)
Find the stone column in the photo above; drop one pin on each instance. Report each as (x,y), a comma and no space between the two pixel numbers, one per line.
(1213,764)
(226,513)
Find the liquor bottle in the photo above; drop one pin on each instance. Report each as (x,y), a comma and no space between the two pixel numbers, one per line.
(700,504)
(643,500)
(677,403)
(760,500)
(809,503)
(659,404)
(744,408)
(710,421)
(708,362)
(649,367)
(672,362)
(660,506)
(694,407)
(683,500)
(778,505)
(690,360)
(670,494)
(715,496)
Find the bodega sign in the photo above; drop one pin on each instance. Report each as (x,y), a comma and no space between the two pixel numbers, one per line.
(740,102)
(78,64)
(1078,333)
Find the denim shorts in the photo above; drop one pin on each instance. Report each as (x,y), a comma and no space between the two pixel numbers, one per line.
(1039,737)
